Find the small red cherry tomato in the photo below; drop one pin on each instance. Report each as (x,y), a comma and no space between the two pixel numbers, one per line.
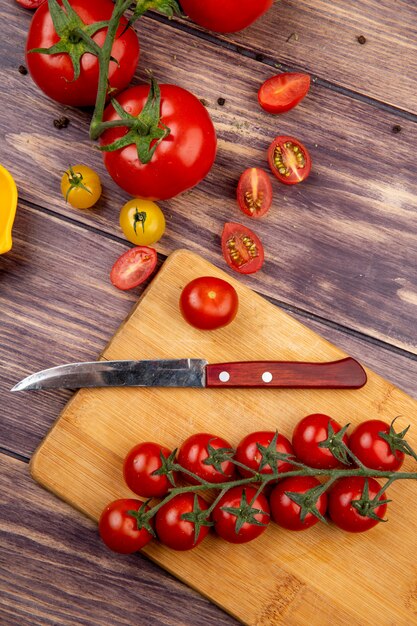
(289,160)
(30,4)
(287,513)
(238,518)
(133,267)
(254,192)
(308,434)
(209,303)
(373,450)
(119,530)
(256,452)
(346,495)
(140,467)
(207,456)
(283,92)
(176,532)
(242,249)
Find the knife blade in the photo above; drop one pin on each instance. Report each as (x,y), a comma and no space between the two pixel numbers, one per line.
(345,373)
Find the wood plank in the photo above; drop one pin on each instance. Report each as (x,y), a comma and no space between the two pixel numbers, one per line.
(39,331)
(322,38)
(56,571)
(342,245)
(81,460)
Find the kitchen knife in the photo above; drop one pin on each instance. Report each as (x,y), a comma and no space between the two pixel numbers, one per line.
(343,374)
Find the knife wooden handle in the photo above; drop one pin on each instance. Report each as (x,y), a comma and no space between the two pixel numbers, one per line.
(344,374)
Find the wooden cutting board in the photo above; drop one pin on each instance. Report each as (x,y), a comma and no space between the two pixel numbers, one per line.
(317,577)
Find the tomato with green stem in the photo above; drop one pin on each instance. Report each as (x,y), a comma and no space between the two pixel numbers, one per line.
(81,186)
(209,303)
(283,92)
(242,249)
(182,523)
(142,222)
(265,452)
(320,442)
(146,470)
(296,504)
(289,160)
(254,192)
(376,444)
(120,527)
(356,504)
(208,457)
(225,16)
(241,514)
(133,267)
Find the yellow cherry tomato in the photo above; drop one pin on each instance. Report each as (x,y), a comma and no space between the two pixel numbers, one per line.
(81,186)
(142,222)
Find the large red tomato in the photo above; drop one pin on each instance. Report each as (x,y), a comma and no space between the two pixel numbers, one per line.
(182,158)
(225,16)
(54,73)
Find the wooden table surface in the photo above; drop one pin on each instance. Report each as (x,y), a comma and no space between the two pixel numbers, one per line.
(341,256)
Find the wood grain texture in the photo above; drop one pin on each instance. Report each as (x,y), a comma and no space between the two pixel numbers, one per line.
(343,245)
(321,38)
(81,461)
(54,570)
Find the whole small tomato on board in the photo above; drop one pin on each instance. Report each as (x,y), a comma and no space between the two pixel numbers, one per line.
(354,504)
(377,445)
(208,457)
(318,441)
(241,515)
(264,452)
(209,303)
(181,523)
(142,470)
(120,529)
(58,60)
(225,16)
(286,503)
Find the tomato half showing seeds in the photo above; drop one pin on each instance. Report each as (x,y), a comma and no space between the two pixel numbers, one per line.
(368,444)
(289,160)
(133,267)
(284,509)
(209,303)
(208,457)
(81,186)
(181,523)
(350,503)
(242,249)
(254,192)
(142,222)
(120,530)
(225,16)
(283,92)
(142,470)
(238,517)
(264,452)
(55,73)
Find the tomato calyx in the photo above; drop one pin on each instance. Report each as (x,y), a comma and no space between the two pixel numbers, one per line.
(396,440)
(245,513)
(199,517)
(308,502)
(142,518)
(335,444)
(75,36)
(166,7)
(168,467)
(217,456)
(366,506)
(271,456)
(75,180)
(145,131)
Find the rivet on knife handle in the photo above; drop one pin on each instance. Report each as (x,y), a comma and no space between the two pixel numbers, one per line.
(343,374)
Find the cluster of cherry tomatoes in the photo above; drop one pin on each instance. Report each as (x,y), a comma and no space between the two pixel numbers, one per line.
(253,485)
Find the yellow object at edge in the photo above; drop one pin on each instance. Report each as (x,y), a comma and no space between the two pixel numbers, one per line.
(8,204)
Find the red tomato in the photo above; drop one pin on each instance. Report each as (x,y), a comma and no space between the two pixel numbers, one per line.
(256,452)
(242,249)
(342,496)
(225,16)
(203,454)
(119,530)
(133,267)
(237,519)
(254,192)
(176,532)
(180,161)
(308,434)
(209,303)
(283,92)
(373,450)
(286,512)
(139,469)
(289,160)
(54,73)
(30,4)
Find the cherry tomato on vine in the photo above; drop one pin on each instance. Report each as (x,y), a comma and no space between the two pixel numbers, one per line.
(287,513)
(139,467)
(142,222)
(254,192)
(308,434)
(283,92)
(30,4)
(176,532)
(372,449)
(346,495)
(133,267)
(238,517)
(119,530)
(81,186)
(242,249)
(225,16)
(54,73)
(179,161)
(203,454)
(258,451)
(209,303)
(289,160)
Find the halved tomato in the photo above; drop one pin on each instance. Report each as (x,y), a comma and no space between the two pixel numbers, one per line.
(242,249)
(283,92)
(254,192)
(289,160)
(133,267)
